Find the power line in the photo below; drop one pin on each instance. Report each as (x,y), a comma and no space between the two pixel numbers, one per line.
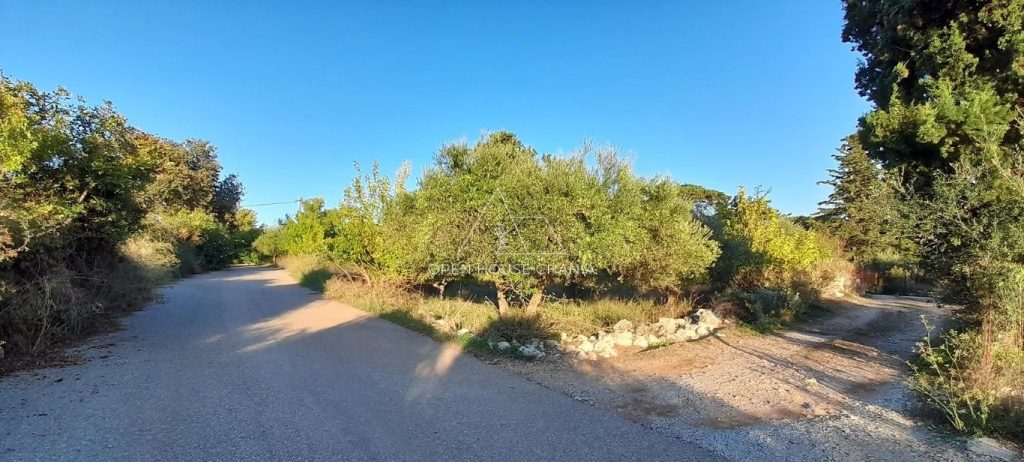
(271,203)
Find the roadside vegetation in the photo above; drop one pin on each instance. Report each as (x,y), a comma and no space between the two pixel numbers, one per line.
(928,199)
(95,213)
(495,240)
(498,241)
(931,188)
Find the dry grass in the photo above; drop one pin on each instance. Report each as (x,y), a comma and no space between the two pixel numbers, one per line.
(156,259)
(448,316)
(52,301)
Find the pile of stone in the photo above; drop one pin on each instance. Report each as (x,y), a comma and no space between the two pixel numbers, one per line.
(624,334)
(532,349)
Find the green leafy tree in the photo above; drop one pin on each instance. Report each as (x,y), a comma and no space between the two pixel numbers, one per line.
(863,209)
(672,249)
(946,80)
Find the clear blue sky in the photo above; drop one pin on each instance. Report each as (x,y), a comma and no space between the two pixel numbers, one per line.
(721,94)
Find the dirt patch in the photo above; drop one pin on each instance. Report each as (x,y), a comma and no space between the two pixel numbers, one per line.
(831,388)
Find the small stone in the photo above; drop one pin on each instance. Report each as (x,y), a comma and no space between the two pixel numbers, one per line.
(667,325)
(623,338)
(706,317)
(463,331)
(991,448)
(604,344)
(586,346)
(527,351)
(641,342)
(552,345)
(623,326)
(502,346)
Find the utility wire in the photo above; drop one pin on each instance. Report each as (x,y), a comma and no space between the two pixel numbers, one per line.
(271,203)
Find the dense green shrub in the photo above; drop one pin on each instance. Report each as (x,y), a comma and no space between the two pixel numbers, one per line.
(499,213)
(945,82)
(94,212)
(761,247)
(766,309)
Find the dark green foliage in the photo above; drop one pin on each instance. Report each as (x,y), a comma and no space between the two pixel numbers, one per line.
(947,82)
(94,212)
(501,214)
(943,76)
(520,327)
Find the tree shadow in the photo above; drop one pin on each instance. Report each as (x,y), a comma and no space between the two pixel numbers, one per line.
(335,378)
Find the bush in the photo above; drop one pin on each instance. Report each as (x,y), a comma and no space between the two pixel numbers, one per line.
(977,385)
(765,309)
(156,259)
(520,327)
(761,247)
(60,298)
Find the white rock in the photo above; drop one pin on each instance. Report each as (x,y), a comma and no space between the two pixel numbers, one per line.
(685,335)
(666,326)
(586,346)
(502,346)
(708,318)
(623,338)
(604,344)
(623,326)
(641,342)
(530,352)
(463,331)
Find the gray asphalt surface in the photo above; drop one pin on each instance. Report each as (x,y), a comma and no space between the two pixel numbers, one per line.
(244,365)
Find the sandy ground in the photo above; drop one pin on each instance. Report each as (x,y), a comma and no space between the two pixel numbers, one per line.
(828,390)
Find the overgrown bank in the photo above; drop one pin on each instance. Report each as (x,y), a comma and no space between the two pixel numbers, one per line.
(95,213)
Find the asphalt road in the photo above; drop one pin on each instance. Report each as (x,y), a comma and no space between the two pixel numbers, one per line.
(244,365)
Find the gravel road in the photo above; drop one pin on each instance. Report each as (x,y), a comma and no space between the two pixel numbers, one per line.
(244,364)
